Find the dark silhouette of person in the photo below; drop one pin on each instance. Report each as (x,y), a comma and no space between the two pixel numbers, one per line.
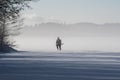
(58,43)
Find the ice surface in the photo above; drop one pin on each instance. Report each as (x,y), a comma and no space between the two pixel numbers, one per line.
(70,44)
(58,65)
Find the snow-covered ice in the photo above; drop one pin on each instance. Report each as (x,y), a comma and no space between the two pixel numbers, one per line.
(60,66)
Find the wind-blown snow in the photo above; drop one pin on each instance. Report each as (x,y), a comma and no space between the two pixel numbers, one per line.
(60,66)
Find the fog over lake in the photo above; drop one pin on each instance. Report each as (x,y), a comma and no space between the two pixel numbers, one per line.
(76,37)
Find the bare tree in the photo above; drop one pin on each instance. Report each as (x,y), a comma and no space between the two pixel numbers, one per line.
(10,21)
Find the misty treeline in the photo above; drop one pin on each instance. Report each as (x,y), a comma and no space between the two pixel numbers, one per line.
(10,21)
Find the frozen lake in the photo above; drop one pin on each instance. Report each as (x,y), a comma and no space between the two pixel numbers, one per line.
(110,44)
(60,66)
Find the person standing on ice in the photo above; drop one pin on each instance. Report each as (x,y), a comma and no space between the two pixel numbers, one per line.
(58,43)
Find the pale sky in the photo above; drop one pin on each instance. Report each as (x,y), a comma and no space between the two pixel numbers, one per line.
(73,11)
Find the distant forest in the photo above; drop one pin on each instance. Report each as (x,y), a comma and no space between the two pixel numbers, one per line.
(51,29)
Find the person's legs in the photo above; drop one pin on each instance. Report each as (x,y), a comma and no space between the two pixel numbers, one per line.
(57,47)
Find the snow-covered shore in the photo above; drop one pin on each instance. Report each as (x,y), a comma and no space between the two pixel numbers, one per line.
(60,66)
